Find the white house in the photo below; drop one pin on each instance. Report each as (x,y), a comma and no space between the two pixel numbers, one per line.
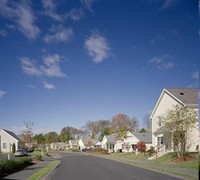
(168,99)
(7,139)
(129,144)
(57,145)
(88,143)
(73,144)
(108,142)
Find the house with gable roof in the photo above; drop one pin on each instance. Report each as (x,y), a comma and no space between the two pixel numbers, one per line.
(88,143)
(169,98)
(128,144)
(7,139)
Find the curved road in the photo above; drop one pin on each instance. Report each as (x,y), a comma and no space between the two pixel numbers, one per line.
(85,167)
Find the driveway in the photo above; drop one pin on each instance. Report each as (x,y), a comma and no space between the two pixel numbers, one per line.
(76,166)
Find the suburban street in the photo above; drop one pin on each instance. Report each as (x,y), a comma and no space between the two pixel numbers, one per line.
(85,167)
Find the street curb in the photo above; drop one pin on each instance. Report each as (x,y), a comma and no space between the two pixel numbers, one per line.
(46,176)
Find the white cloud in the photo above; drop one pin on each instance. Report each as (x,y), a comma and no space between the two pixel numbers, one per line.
(97,47)
(2,93)
(29,67)
(50,10)
(162,63)
(195,74)
(49,68)
(167,4)
(59,34)
(48,86)
(22,16)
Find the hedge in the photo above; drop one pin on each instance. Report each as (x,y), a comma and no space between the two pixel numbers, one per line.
(10,166)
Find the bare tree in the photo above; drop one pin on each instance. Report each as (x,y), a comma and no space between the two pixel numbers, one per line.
(147,121)
(27,134)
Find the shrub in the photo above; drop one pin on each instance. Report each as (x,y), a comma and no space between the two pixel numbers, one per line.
(13,148)
(151,151)
(141,146)
(75,150)
(37,155)
(10,166)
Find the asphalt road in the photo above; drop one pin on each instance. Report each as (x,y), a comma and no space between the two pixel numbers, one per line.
(86,167)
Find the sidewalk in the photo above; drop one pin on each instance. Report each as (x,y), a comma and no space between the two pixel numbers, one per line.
(30,170)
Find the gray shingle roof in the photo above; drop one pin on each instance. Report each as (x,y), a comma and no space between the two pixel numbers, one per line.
(12,134)
(111,138)
(146,137)
(74,142)
(92,141)
(189,96)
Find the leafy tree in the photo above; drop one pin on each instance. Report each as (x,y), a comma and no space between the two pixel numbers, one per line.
(143,130)
(179,122)
(27,133)
(39,138)
(51,137)
(121,123)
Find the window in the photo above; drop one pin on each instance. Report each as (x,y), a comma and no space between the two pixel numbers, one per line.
(4,145)
(160,123)
(134,147)
(160,140)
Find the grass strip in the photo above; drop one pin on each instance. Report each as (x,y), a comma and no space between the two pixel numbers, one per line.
(42,172)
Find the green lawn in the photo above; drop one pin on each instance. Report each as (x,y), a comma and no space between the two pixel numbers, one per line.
(42,172)
(166,159)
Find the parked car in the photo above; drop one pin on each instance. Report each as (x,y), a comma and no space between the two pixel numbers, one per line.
(21,152)
(88,149)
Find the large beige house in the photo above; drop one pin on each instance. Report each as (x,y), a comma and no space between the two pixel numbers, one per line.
(168,99)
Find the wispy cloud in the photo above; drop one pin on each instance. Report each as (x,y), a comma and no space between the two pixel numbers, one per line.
(50,10)
(157,38)
(36,130)
(2,93)
(29,67)
(75,14)
(49,68)
(3,33)
(22,16)
(59,34)
(167,4)
(162,63)
(48,86)
(97,47)
(195,74)
(88,4)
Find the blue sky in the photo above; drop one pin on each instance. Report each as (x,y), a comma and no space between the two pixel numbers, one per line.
(66,62)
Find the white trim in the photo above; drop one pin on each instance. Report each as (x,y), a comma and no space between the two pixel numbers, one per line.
(10,135)
(170,94)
